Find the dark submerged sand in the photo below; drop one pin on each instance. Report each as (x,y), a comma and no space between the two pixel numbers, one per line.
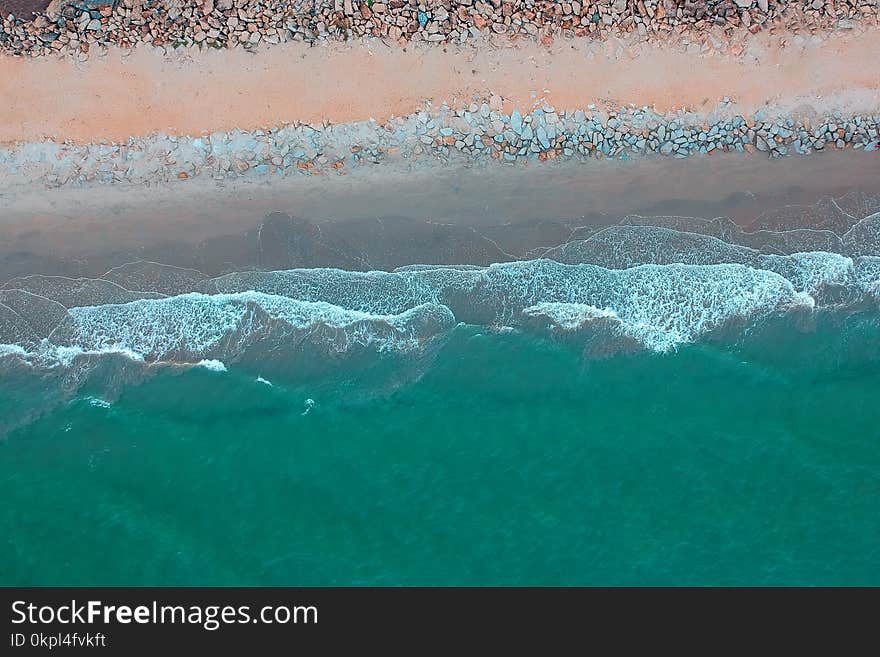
(382,219)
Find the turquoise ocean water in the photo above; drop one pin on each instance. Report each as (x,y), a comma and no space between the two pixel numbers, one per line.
(575,420)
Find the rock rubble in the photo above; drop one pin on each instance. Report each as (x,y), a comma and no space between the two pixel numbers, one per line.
(476,135)
(699,26)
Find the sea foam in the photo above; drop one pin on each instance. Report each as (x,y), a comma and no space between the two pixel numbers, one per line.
(625,287)
(213,365)
(660,285)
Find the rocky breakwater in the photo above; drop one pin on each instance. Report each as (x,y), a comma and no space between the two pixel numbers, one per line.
(476,135)
(697,25)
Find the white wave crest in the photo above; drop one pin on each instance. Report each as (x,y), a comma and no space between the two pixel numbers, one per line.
(197,327)
(867,274)
(335,312)
(810,272)
(569,316)
(212,364)
(663,306)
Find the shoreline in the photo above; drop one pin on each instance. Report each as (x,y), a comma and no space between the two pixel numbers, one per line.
(400,217)
(439,292)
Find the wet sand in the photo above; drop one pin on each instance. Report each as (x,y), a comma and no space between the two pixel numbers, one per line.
(383,219)
(118,96)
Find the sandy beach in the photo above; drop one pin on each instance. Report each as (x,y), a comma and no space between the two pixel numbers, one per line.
(143,92)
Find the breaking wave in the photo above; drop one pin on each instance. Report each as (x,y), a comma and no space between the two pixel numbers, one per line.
(334,313)
(648,283)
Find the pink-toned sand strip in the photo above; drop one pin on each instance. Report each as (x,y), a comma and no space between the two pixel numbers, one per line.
(117,97)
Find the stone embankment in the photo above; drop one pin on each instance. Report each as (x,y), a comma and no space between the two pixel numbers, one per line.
(477,135)
(699,26)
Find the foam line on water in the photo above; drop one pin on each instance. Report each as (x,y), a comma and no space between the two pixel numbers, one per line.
(198,327)
(665,285)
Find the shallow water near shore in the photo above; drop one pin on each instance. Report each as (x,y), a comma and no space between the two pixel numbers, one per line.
(590,397)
